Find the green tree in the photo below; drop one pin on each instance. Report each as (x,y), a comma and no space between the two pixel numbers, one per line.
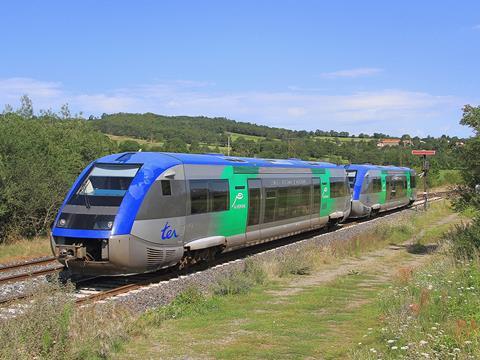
(65,111)
(26,107)
(129,146)
(39,160)
(470,155)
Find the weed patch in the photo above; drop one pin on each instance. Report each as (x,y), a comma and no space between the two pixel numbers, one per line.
(51,327)
(433,313)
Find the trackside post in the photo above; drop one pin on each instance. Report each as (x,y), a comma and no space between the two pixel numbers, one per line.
(425,169)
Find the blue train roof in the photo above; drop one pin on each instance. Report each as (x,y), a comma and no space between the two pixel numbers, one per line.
(375,167)
(166,160)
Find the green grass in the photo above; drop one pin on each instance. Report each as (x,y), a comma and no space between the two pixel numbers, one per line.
(344,139)
(261,324)
(235,136)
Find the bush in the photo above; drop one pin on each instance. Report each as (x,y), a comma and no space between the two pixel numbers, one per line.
(465,239)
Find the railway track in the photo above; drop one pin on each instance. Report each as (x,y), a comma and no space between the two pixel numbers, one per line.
(42,261)
(31,269)
(100,288)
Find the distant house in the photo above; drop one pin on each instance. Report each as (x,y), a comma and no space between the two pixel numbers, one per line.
(388,142)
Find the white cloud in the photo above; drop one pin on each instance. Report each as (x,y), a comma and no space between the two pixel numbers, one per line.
(387,110)
(476,27)
(351,73)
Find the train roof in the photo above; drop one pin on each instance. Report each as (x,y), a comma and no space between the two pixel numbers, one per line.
(165,160)
(376,167)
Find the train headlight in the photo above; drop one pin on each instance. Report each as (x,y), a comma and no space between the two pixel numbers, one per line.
(109,224)
(62,223)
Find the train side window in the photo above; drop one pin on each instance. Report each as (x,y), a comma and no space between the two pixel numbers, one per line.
(270,202)
(254,205)
(166,187)
(337,188)
(218,193)
(413,181)
(199,196)
(317,198)
(377,185)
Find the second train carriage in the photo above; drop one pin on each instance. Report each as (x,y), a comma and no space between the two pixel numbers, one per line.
(380,188)
(137,212)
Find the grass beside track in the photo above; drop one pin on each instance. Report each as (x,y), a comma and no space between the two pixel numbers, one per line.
(24,249)
(316,305)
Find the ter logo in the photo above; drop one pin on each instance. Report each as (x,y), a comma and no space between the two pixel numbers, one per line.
(168,232)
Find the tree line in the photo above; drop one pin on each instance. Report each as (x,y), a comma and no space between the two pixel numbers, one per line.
(42,153)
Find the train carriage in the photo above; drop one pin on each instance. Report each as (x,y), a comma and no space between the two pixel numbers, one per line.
(380,188)
(136,212)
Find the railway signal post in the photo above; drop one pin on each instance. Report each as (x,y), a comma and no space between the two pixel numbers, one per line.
(425,169)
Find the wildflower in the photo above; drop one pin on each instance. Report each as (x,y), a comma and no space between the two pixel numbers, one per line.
(404,347)
(390,341)
(433,328)
(468,342)
(373,350)
(359,343)
(394,347)
(456,350)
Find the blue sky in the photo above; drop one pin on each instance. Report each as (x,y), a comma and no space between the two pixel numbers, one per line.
(358,66)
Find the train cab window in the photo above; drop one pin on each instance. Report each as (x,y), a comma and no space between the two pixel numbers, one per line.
(166,188)
(208,196)
(105,185)
(352,175)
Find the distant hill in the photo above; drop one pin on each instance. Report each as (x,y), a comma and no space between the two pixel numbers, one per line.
(158,128)
(151,132)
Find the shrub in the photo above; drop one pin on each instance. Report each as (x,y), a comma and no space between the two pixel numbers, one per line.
(51,327)
(465,239)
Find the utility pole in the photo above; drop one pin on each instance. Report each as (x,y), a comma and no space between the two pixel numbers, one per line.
(228,145)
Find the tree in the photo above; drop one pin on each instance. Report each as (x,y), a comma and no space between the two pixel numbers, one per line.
(26,107)
(65,111)
(36,169)
(129,146)
(469,154)
(7,110)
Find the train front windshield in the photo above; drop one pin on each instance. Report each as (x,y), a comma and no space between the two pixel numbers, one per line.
(105,185)
(352,175)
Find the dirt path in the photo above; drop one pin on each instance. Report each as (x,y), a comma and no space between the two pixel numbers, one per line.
(379,262)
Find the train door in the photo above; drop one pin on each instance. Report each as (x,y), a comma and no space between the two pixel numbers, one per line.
(253,232)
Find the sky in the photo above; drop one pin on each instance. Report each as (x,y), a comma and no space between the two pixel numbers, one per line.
(358,66)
